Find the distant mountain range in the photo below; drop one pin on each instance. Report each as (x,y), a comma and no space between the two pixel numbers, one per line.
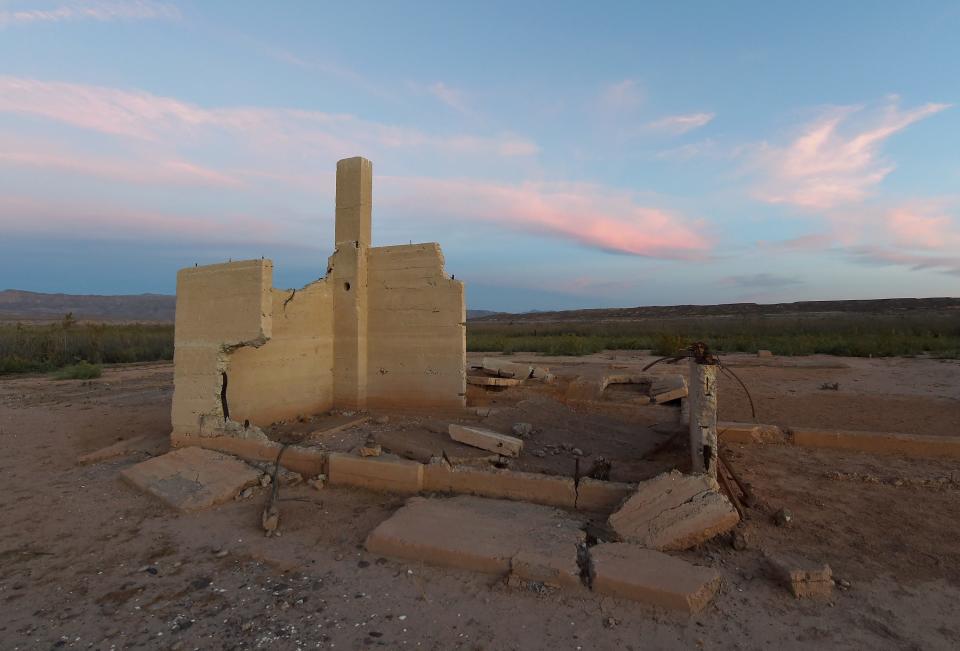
(17,305)
(873,306)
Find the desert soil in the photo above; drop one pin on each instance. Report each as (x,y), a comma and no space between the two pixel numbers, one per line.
(86,561)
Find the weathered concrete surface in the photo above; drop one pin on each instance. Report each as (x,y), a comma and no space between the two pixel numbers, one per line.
(422,446)
(383,473)
(485,439)
(191,479)
(504,484)
(703,417)
(801,576)
(731,432)
(510,369)
(533,542)
(487,381)
(674,511)
(631,572)
(384,328)
(118,449)
(913,445)
(309,462)
(667,388)
(602,496)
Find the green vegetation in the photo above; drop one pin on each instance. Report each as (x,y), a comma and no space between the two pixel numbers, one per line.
(79,371)
(43,348)
(852,335)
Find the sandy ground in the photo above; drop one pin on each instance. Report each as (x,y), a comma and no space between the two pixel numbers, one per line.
(88,562)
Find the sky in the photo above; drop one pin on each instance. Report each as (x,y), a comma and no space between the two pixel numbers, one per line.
(564,154)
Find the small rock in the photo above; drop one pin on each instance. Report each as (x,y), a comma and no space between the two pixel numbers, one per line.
(521,430)
(782,518)
(221,553)
(843,584)
(265,479)
(610,622)
(577,452)
(740,541)
(381,420)
(539,453)
(371,450)
(318,482)
(246,493)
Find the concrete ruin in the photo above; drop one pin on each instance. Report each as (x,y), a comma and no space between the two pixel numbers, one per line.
(384,328)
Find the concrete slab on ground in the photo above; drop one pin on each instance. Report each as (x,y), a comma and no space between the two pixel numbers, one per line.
(674,511)
(535,543)
(631,572)
(485,439)
(423,445)
(192,478)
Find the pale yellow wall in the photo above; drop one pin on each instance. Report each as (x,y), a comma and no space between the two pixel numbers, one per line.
(415,329)
(384,329)
(292,373)
(218,307)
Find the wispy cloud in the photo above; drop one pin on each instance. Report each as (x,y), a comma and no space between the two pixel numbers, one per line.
(835,160)
(101,11)
(680,124)
(593,216)
(887,256)
(621,97)
(450,96)
(140,115)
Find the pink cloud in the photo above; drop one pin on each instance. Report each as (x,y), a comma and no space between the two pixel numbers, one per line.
(43,216)
(22,153)
(143,116)
(102,11)
(679,124)
(835,160)
(593,216)
(924,225)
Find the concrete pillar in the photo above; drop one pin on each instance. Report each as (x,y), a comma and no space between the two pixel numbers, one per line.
(348,274)
(703,417)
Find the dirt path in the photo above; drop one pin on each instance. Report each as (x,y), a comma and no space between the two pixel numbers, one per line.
(87,562)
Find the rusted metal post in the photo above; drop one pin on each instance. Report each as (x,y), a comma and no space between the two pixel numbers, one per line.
(703,415)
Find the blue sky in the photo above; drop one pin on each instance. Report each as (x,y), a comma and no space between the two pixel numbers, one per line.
(564,154)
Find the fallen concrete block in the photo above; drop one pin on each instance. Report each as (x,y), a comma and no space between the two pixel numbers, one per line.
(801,576)
(306,461)
(384,473)
(191,479)
(912,445)
(424,445)
(485,439)
(118,449)
(674,511)
(517,370)
(486,381)
(602,496)
(730,432)
(631,572)
(534,543)
(667,388)
(497,483)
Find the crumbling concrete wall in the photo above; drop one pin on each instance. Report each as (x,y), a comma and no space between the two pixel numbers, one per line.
(416,329)
(384,328)
(220,308)
(291,374)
